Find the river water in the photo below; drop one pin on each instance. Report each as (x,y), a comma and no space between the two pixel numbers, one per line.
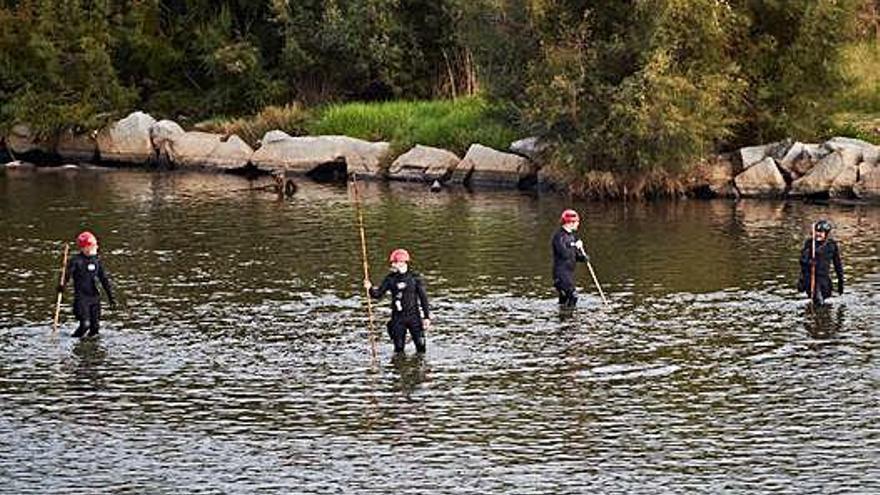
(241,363)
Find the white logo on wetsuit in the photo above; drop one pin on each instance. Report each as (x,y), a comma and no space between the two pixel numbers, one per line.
(91,267)
(401,285)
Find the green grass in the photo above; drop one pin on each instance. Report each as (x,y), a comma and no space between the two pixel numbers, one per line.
(449,124)
(859,107)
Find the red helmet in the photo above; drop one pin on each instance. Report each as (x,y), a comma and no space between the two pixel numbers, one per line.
(86,239)
(569,216)
(399,255)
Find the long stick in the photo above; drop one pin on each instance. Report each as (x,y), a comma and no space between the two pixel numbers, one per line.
(60,282)
(596,281)
(360,217)
(813,267)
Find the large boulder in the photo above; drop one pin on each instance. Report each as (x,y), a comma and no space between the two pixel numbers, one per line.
(423,164)
(820,179)
(751,155)
(162,131)
(482,165)
(762,179)
(128,140)
(842,187)
(21,140)
(792,160)
(160,134)
(281,152)
(868,185)
(76,147)
(206,150)
(868,152)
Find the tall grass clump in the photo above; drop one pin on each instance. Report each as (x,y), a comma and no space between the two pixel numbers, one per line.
(449,124)
(291,118)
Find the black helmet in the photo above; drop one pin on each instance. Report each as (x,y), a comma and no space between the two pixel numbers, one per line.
(823,226)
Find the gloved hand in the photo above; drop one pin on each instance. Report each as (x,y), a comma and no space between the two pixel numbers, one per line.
(59,288)
(579,245)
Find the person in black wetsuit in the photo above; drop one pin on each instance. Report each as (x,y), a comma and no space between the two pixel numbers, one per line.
(827,253)
(409,302)
(87,271)
(567,250)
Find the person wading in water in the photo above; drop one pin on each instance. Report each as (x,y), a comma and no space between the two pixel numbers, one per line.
(567,250)
(87,271)
(817,255)
(409,302)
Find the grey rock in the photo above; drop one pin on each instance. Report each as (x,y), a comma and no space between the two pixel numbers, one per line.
(530,147)
(762,179)
(281,152)
(821,177)
(76,147)
(485,166)
(207,150)
(423,164)
(868,185)
(127,140)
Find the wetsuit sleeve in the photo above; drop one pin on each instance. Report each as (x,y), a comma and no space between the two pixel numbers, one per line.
(580,255)
(378,292)
(838,268)
(423,298)
(105,283)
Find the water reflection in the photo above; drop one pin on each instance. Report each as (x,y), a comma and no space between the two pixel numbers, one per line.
(825,321)
(409,372)
(87,362)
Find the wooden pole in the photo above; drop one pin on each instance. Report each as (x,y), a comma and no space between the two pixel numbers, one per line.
(596,281)
(366,264)
(60,294)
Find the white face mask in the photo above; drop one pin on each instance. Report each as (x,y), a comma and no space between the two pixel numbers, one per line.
(399,267)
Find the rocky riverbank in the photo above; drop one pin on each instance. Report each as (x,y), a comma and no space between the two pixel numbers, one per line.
(838,168)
